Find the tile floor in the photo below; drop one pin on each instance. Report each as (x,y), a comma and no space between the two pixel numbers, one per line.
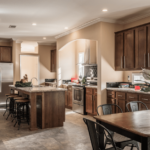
(72,136)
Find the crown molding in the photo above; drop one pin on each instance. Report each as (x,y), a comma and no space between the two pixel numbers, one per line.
(48,44)
(88,24)
(136,17)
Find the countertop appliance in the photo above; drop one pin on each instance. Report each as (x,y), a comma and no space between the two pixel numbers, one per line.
(78,99)
(6,79)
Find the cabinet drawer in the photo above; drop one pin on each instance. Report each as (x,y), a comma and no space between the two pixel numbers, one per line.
(120,95)
(111,94)
(89,91)
(144,98)
(95,91)
(69,88)
(132,97)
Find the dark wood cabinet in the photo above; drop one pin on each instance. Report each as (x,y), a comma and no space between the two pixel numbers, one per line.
(68,97)
(140,47)
(119,51)
(91,101)
(6,54)
(132,48)
(53,60)
(129,51)
(122,98)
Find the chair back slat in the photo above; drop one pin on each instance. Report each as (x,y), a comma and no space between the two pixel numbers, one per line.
(134,106)
(92,128)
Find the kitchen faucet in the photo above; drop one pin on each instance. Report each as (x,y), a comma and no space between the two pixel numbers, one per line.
(31,80)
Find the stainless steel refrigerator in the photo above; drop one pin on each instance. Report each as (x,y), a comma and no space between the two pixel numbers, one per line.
(6,79)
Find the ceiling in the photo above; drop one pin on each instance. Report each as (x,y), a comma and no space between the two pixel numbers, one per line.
(51,16)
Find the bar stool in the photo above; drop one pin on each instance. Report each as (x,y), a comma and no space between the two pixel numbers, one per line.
(10,107)
(22,111)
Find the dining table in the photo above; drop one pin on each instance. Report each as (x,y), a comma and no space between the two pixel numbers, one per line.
(134,125)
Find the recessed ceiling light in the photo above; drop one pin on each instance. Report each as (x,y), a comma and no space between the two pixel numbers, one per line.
(66,28)
(44,38)
(104,9)
(34,24)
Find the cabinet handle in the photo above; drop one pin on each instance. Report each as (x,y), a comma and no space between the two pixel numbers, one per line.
(131,97)
(124,62)
(148,59)
(121,61)
(145,99)
(144,60)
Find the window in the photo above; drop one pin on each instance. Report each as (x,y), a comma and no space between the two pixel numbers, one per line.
(80,67)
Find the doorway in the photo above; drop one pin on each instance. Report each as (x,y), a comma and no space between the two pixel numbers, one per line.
(29,64)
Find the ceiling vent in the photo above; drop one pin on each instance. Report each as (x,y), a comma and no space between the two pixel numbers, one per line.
(12,26)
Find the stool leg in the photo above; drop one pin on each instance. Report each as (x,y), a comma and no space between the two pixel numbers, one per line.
(6,108)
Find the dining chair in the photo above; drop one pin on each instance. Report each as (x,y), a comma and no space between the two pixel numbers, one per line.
(134,106)
(92,128)
(107,109)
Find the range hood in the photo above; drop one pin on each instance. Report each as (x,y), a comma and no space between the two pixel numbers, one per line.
(90,58)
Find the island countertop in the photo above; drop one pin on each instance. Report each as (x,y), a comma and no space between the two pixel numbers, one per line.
(37,89)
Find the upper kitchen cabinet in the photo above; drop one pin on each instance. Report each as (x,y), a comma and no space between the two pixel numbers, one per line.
(129,51)
(140,48)
(53,60)
(119,51)
(6,54)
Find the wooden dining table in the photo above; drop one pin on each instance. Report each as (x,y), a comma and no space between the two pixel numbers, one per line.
(134,125)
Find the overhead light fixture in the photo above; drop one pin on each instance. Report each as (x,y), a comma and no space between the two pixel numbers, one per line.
(34,24)
(104,9)
(44,38)
(66,28)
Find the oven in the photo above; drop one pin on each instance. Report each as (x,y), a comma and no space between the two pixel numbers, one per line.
(78,99)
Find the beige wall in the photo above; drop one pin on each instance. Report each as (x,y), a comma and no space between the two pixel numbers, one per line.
(126,26)
(103,33)
(67,62)
(44,55)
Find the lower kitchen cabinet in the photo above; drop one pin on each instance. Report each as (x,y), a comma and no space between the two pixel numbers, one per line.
(122,98)
(91,101)
(68,97)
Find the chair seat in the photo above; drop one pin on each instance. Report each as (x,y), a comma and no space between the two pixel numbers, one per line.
(120,138)
(13,96)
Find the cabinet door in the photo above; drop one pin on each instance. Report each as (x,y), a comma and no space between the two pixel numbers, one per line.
(5,54)
(89,101)
(112,101)
(122,105)
(140,47)
(119,51)
(53,60)
(148,46)
(69,99)
(95,104)
(129,52)
(66,98)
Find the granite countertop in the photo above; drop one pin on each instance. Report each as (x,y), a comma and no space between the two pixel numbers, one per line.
(132,90)
(37,89)
(92,86)
(51,82)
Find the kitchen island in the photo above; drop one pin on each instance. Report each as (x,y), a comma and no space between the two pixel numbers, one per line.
(47,105)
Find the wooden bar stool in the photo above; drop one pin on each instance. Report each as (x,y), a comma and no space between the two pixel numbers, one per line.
(22,112)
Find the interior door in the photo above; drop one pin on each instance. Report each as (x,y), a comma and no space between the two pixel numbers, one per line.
(129,50)
(140,47)
(119,51)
